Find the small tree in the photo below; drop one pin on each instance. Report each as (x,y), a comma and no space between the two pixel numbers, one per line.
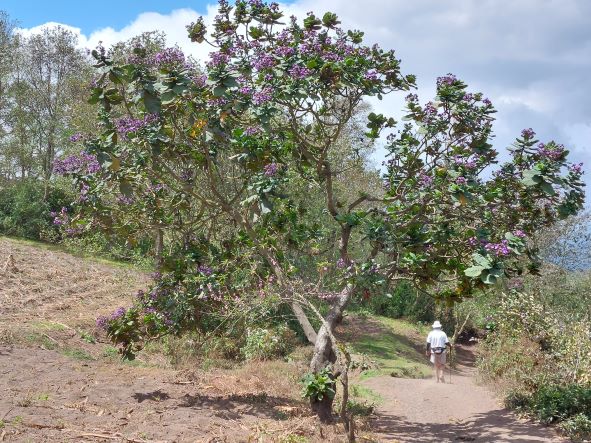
(213,159)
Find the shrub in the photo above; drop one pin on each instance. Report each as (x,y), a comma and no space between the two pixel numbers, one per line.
(558,403)
(577,428)
(265,344)
(25,213)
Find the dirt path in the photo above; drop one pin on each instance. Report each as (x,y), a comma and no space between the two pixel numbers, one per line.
(421,410)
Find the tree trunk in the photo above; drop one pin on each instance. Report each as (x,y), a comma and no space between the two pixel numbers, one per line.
(324,352)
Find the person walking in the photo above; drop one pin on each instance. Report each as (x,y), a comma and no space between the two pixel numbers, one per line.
(437,344)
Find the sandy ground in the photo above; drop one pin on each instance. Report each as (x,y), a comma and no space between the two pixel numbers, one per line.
(421,410)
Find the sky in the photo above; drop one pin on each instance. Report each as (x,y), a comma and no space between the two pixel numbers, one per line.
(532,58)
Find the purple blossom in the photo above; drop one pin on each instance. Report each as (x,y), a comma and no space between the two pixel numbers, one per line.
(498,249)
(82,163)
(448,79)
(425,180)
(124,200)
(341,263)
(468,97)
(299,72)
(61,218)
(461,180)
(252,130)
(528,133)
(102,322)
(261,97)
(553,152)
(84,189)
(285,51)
(264,61)
(576,168)
(487,102)
(76,137)
(271,169)
(128,125)
(205,270)
(371,75)
(473,241)
(217,59)
(519,233)
(119,312)
(167,57)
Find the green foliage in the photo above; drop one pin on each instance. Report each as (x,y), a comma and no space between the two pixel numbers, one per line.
(577,428)
(558,403)
(402,301)
(24,212)
(268,343)
(317,386)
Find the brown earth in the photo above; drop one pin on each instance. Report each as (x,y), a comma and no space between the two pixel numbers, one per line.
(61,382)
(421,410)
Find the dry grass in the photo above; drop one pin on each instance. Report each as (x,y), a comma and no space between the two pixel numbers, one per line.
(55,286)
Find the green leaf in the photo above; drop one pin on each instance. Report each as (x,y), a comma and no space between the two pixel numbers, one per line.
(125,188)
(167,98)
(474,271)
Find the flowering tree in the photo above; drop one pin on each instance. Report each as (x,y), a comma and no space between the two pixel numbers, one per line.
(218,162)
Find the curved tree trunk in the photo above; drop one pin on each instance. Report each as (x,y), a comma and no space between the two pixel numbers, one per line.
(324,352)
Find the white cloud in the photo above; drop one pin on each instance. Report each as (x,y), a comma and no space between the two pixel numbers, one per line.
(531,57)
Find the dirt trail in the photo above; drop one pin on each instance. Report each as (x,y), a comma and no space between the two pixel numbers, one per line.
(421,410)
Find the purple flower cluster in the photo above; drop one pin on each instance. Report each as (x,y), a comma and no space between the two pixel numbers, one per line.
(528,133)
(341,263)
(519,233)
(168,57)
(552,152)
(217,59)
(127,125)
(448,79)
(264,61)
(76,137)
(271,169)
(498,249)
(252,130)
(299,72)
(77,163)
(468,163)
(84,189)
(205,270)
(576,168)
(285,51)
(60,218)
(371,75)
(102,322)
(425,180)
(261,97)
(124,200)
(461,180)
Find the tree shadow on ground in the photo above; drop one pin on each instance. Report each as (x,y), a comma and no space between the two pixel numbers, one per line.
(227,406)
(495,426)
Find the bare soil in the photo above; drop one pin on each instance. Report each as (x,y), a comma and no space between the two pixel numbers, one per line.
(61,382)
(422,410)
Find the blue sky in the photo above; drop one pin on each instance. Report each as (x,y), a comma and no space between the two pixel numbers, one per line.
(532,58)
(90,15)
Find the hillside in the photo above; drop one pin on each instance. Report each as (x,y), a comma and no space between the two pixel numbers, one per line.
(64,382)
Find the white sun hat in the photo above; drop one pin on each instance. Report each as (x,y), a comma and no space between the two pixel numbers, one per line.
(436,325)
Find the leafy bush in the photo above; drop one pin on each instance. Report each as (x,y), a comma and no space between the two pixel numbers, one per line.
(401,302)
(265,344)
(316,386)
(577,428)
(558,403)
(25,213)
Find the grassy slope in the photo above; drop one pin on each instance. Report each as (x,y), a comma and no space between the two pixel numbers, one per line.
(388,346)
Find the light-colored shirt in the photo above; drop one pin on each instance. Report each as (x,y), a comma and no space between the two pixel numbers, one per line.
(437,339)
